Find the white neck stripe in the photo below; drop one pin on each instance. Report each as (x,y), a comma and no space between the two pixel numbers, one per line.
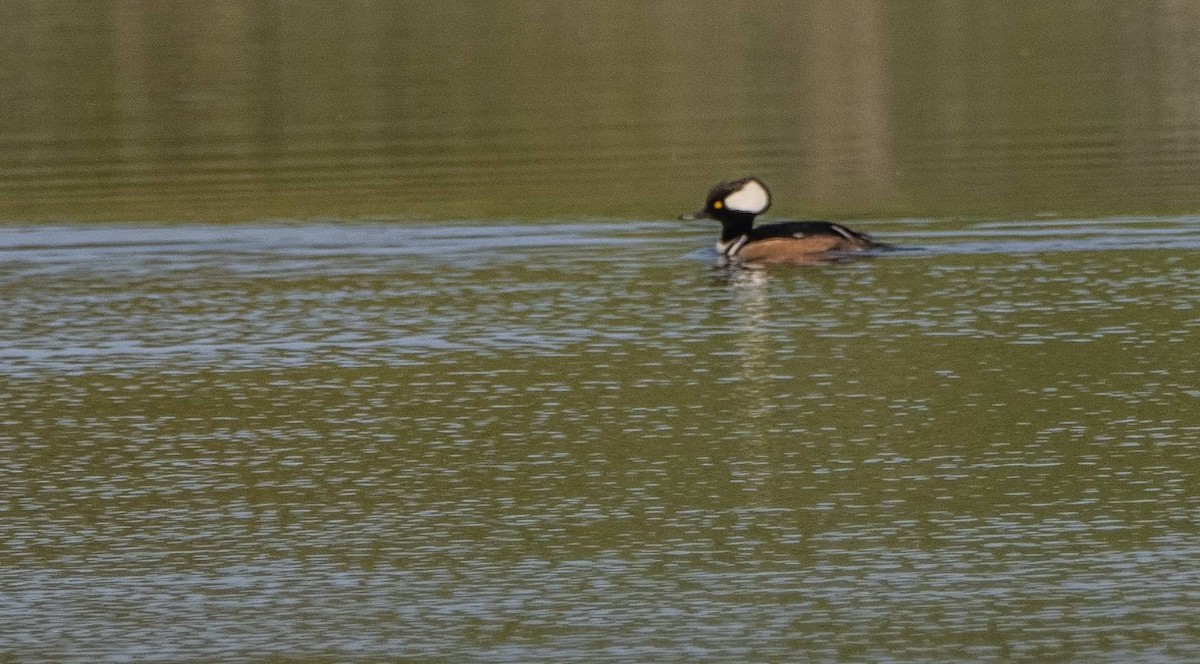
(733,246)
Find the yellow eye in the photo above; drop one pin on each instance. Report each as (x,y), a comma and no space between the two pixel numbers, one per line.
(718,205)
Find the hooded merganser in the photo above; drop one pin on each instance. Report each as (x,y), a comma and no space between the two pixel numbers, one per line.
(737,202)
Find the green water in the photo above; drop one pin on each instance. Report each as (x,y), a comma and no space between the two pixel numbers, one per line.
(579,441)
(233,110)
(405,358)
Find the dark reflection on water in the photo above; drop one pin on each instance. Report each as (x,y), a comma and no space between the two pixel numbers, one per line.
(257,109)
(579,441)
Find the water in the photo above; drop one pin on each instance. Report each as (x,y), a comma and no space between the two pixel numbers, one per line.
(571,440)
(363,331)
(236,110)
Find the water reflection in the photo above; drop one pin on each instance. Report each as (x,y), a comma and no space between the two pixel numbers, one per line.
(256,110)
(475,442)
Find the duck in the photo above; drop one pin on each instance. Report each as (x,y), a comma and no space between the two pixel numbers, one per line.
(737,202)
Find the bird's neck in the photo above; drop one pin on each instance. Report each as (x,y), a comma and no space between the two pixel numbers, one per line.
(735,225)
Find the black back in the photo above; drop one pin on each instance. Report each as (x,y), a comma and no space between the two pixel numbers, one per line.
(804,229)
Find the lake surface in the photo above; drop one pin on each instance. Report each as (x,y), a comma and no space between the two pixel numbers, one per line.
(565,441)
(232,110)
(363,331)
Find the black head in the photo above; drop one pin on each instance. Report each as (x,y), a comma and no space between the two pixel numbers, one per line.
(736,200)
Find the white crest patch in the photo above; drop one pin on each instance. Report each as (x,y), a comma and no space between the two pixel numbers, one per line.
(752,198)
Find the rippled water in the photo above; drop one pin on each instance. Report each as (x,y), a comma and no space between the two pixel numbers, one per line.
(501,442)
(556,432)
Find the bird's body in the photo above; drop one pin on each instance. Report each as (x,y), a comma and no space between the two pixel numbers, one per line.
(736,203)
